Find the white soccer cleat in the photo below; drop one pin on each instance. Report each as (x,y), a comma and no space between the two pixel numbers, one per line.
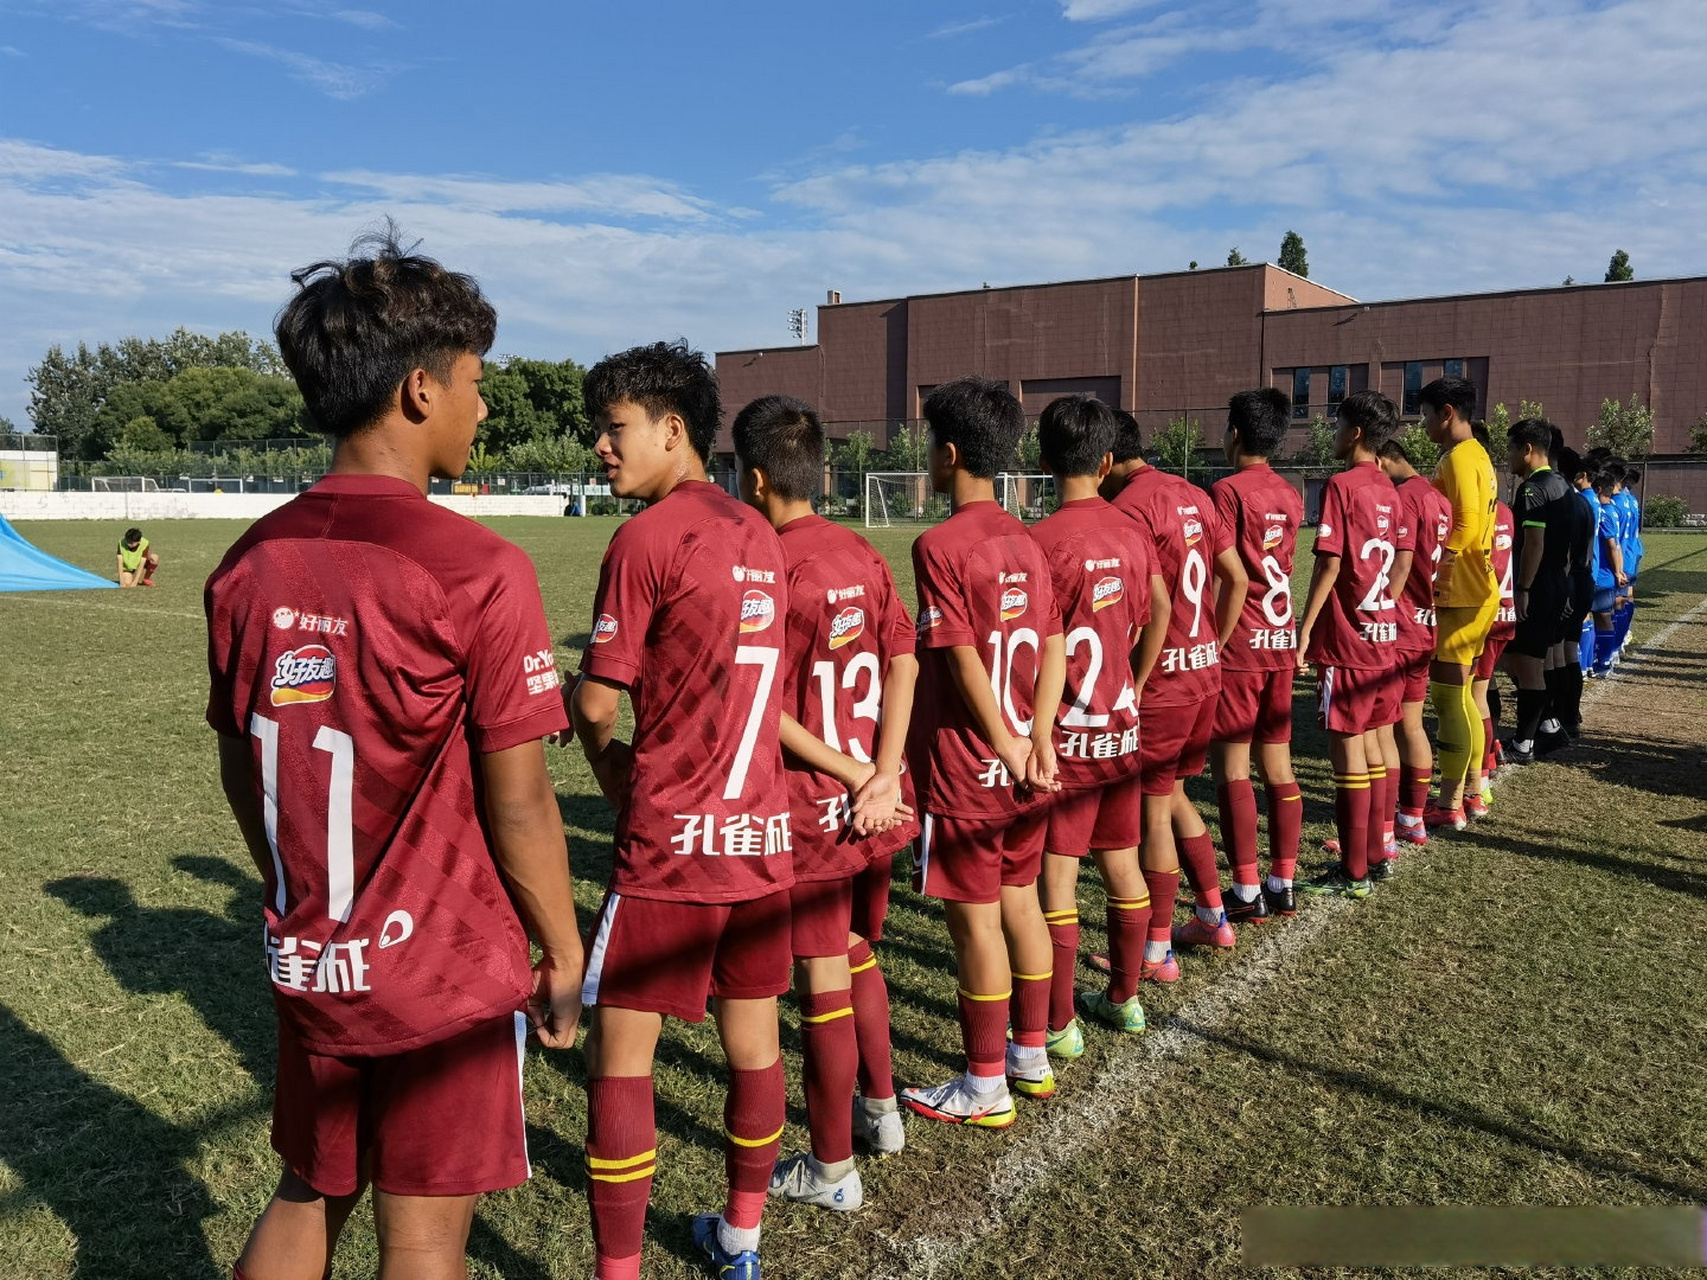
(881,1130)
(798,1178)
(956,1102)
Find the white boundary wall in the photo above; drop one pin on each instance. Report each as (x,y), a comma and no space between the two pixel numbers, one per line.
(27,505)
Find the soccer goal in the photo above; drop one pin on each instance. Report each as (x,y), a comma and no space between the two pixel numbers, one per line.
(900,497)
(123,484)
(214,484)
(1030,497)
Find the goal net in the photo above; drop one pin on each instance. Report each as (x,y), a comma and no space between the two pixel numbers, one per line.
(1030,497)
(123,484)
(905,497)
(214,484)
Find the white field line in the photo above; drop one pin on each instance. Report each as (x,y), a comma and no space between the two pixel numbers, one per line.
(141,611)
(1074,1125)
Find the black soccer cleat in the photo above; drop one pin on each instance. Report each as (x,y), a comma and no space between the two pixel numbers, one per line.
(1548,743)
(1279,904)
(1253,912)
(1515,754)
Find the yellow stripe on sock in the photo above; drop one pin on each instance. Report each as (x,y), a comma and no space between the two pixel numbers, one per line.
(972,995)
(861,968)
(1061,917)
(1131,905)
(830,1016)
(1298,798)
(594,1162)
(638,1174)
(754,1142)
(1033,977)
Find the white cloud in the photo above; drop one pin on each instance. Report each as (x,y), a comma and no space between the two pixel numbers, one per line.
(618,195)
(364,18)
(219,162)
(966,28)
(1101,10)
(334,79)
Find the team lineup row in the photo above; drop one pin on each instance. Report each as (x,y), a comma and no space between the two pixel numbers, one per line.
(796,727)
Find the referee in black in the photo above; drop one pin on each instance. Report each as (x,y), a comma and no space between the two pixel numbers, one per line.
(1540,574)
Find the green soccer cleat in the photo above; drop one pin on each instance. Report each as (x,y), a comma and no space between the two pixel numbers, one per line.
(1127,1017)
(1334,882)
(1067,1043)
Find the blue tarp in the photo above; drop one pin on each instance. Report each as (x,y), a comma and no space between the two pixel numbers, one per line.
(25,568)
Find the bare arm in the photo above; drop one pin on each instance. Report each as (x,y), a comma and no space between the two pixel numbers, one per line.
(593,707)
(877,805)
(1401,574)
(815,753)
(1154,635)
(1230,599)
(1322,579)
(1046,706)
(529,848)
(237,777)
(966,669)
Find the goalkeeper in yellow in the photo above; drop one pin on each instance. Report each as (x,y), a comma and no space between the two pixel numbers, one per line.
(1466,593)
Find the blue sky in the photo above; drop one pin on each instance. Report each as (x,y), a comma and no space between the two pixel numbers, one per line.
(615,173)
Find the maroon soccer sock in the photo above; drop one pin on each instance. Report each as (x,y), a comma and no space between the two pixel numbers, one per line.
(1285,828)
(1489,762)
(1128,922)
(1064,942)
(830,1053)
(753,1116)
(1413,791)
(1164,893)
(1237,800)
(1351,820)
(1375,845)
(622,1141)
(984,1032)
(1028,1009)
(871,1023)
(1197,853)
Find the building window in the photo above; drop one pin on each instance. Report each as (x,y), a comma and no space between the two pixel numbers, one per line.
(1338,377)
(1300,393)
(1452,369)
(1413,388)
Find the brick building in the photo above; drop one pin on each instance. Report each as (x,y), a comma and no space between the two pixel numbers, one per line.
(1180,344)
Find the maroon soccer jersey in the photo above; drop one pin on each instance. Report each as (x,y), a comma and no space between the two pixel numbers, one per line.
(1361,522)
(690,618)
(1260,516)
(1428,517)
(982,583)
(1187,537)
(1505,623)
(368,644)
(1100,564)
(845,622)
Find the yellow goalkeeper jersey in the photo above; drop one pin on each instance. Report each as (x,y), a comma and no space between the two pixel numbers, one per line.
(1465,577)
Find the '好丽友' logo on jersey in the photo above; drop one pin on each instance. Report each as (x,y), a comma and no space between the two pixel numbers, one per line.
(284,617)
(1502,542)
(847,626)
(1324,530)
(835,595)
(1273,536)
(929,617)
(1110,590)
(308,673)
(758,611)
(1193,530)
(604,629)
(1014,602)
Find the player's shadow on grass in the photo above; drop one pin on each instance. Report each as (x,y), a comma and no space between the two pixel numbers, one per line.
(1604,1164)
(1652,874)
(208,957)
(112,1171)
(1625,761)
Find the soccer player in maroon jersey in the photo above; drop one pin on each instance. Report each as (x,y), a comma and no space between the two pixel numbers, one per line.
(688,621)
(991,669)
(1181,693)
(1429,517)
(382,679)
(848,674)
(1261,514)
(1100,565)
(1479,787)
(1350,630)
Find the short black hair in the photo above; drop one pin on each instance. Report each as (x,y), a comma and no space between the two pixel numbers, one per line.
(1260,418)
(1571,464)
(1394,450)
(660,377)
(1616,466)
(1479,433)
(782,437)
(1074,434)
(1602,480)
(1632,475)
(1530,433)
(1455,393)
(357,327)
(981,418)
(1128,439)
(133,535)
(1373,414)
(1556,448)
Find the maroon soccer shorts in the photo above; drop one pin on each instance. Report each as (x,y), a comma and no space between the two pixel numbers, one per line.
(972,859)
(1489,660)
(1254,705)
(820,914)
(1414,668)
(442,1120)
(671,957)
(1108,817)
(1173,743)
(871,897)
(1357,699)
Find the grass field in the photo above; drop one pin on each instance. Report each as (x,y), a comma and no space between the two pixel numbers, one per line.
(1517,1019)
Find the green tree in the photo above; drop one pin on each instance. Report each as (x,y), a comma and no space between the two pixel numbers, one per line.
(1235,258)
(562,455)
(143,433)
(909,449)
(1425,453)
(6,427)
(1176,444)
(1318,447)
(854,454)
(1498,424)
(533,400)
(1698,435)
(1619,268)
(1292,254)
(1626,429)
(1029,455)
(482,461)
